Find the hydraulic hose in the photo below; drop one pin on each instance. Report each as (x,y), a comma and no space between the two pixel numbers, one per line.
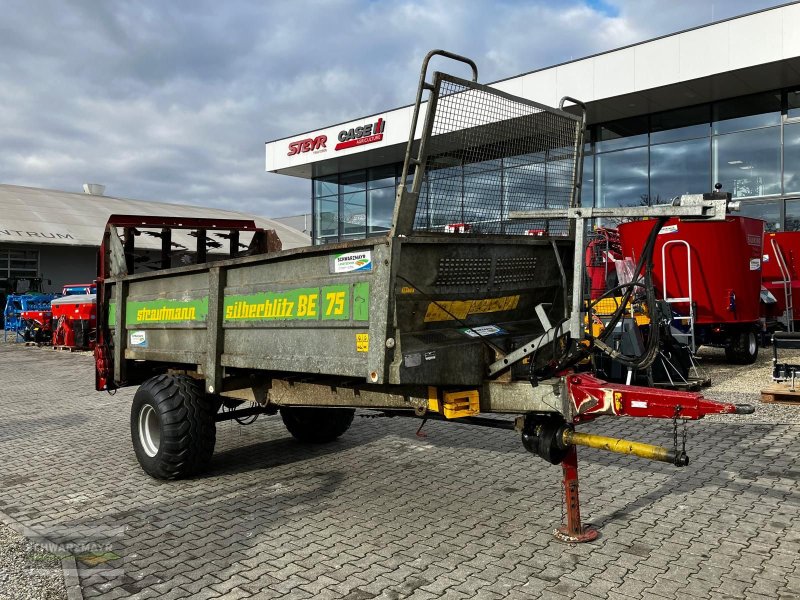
(651,351)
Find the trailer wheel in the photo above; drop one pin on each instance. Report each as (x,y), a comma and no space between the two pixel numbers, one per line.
(316,425)
(743,348)
(172,427)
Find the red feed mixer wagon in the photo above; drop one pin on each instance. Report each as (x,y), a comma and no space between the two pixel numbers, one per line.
(710,274)
(780,274)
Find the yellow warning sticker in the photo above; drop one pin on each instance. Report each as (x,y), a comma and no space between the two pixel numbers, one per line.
(447,310)
(362,342)
(406,290)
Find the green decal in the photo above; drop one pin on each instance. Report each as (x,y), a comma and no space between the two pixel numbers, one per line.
(335,300)
(166,311)
(361,301)
(298,304)
(112,314)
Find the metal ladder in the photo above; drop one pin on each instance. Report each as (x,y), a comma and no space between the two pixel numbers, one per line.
(788,313)
(690,318)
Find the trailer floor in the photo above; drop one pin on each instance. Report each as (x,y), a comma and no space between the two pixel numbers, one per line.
(463,513)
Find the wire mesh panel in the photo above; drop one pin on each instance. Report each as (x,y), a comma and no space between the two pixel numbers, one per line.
(489,153)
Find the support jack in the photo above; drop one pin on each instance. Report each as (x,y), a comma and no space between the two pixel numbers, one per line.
(573,531)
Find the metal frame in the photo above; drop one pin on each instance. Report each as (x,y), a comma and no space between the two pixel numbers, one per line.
(676,300)
(407,200)
(788,313)
(695,206)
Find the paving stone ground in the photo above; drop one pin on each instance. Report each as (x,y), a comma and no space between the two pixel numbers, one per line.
(381,513)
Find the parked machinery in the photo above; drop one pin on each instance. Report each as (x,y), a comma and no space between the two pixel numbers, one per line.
(16,286)
(710,275)
(75,320)
(608,274)
(780,277)
(28,317)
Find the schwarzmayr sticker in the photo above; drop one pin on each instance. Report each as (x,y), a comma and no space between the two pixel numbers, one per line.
(352,261)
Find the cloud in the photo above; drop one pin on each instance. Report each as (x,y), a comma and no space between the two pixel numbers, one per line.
(173,101)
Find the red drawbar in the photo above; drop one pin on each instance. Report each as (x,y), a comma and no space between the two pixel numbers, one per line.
(591,397)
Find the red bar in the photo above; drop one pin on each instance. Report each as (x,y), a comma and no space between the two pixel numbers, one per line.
(591,397)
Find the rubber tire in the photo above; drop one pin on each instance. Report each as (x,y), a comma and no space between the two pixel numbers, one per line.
(186,423)
(743,348)
(316,425)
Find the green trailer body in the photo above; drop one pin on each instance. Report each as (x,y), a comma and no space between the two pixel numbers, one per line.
(386,318)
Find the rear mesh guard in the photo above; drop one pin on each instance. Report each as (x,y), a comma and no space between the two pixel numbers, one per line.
(489,153)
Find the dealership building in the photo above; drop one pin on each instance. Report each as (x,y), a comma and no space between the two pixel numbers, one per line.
(673,115)
(56,234)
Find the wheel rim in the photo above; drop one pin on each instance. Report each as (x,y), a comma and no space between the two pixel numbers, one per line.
(751,344)
(149,430)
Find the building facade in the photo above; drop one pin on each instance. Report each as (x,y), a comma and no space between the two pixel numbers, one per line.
(674,115)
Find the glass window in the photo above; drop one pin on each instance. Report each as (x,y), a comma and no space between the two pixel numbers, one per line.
(380,177)
(770,212)
(444,196)
(748,163)
(793,104)
(679,168)
(792,219)
(791,157)
(560,174)
(747,112)
(354,214)
(327,218)
(18,263)
(381,207)
(625,133)
(681,124)
(354,181)
(622,178)
(523,187)
(326,186)
(481,204)
(524,159)
(587,189)
(523,190)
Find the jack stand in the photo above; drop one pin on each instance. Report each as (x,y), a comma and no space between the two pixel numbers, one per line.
(573,532)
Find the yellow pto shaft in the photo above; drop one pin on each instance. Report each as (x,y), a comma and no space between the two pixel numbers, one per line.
(620,446)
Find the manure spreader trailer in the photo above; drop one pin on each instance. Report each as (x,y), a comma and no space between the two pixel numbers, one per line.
(430,321)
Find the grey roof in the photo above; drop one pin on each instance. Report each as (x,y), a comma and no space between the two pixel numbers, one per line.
(39,216)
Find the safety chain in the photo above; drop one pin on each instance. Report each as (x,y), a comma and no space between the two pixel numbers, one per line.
(675,416)
(684,435)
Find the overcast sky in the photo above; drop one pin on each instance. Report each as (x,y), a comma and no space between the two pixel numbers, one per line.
(174,100)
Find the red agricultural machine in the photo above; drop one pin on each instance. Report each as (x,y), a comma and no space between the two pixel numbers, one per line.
(780,276)
(75,318)
(709,273)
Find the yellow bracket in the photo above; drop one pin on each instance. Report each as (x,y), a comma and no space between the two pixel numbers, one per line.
(454,405)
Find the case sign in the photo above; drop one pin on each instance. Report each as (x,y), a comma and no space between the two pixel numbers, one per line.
(352,261)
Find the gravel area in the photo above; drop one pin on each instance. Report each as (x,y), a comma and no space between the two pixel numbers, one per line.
(742,384)
(27,572)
